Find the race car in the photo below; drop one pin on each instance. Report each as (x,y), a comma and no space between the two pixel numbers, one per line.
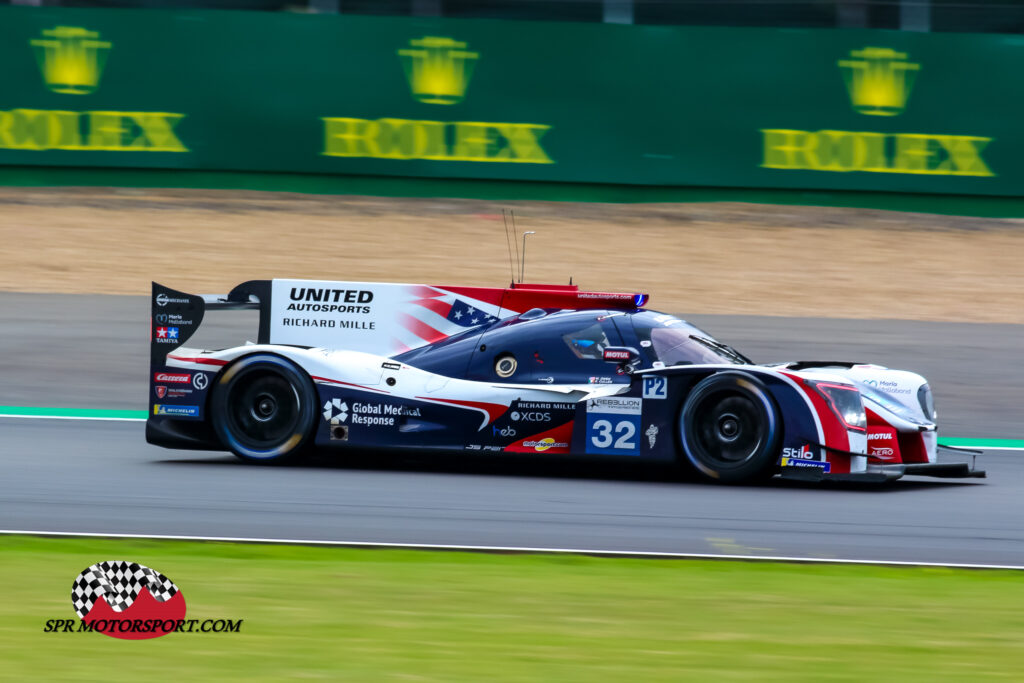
(549,370)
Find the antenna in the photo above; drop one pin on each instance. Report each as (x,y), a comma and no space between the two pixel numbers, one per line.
(522,265)
(512,214)
(509,240)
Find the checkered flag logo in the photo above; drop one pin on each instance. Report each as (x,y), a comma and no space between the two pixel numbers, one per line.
(335,411)
(119,584)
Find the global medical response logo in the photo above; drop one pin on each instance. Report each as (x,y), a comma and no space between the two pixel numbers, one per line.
(879,82)
(127,600)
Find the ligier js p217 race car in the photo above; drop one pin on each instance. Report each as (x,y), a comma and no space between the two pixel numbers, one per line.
(529,369)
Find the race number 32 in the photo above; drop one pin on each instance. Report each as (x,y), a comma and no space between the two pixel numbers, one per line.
(619,436)
(613,426)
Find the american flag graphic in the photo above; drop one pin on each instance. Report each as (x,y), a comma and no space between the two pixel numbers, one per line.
(436,314)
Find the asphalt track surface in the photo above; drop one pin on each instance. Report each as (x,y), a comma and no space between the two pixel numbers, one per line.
(95,476)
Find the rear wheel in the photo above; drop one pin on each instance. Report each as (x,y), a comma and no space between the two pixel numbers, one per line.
(730,428)
(263,408)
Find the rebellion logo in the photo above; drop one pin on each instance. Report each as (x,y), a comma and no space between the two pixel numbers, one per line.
(438,70)
(879,82)
(71,60)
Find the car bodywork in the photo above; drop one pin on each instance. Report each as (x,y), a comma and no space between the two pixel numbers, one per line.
(528,369)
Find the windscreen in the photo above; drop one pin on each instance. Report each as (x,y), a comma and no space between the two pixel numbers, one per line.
(676,342)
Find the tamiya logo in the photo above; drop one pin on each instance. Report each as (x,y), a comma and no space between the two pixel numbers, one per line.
(802,453)
(172,378)
(167,335)
(530,416)
(335,411)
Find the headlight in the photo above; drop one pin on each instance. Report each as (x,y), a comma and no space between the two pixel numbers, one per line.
(924,397)
(845,402)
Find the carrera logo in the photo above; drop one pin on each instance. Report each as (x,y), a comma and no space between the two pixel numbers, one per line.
(183,378)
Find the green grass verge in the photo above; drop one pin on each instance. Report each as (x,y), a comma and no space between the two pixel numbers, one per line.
(368,615)
(504,190)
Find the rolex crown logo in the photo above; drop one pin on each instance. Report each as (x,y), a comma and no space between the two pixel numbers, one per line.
(71,59)
(879,80)
(438,69)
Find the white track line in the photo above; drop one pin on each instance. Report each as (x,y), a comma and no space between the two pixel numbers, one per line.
(76,417)
(518,550)
(142,419)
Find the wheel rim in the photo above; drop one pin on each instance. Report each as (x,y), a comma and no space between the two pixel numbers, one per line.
(729,429)
(264,410)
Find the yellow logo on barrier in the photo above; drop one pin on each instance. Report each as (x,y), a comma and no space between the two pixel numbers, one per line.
(71,59)
(438,69)
(879,80)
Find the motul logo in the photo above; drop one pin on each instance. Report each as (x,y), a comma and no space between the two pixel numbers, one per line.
(886,435)
(184,378)
(612,354)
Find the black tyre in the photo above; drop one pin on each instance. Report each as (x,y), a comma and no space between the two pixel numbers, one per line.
(730,429)
(263,408)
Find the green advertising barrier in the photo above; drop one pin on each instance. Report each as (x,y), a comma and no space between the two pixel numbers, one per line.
(672,106)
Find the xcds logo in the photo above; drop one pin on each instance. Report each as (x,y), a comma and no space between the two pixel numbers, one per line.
(127,600)
(507,431)
(530,416)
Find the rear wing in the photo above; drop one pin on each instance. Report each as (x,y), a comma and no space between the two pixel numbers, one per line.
(381,318)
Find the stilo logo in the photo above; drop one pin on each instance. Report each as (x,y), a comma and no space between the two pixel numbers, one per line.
(438,69)
(879,80)
(71,59)
(127,600)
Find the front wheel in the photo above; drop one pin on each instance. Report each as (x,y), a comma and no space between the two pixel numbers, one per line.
(263,408)
(730,428)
